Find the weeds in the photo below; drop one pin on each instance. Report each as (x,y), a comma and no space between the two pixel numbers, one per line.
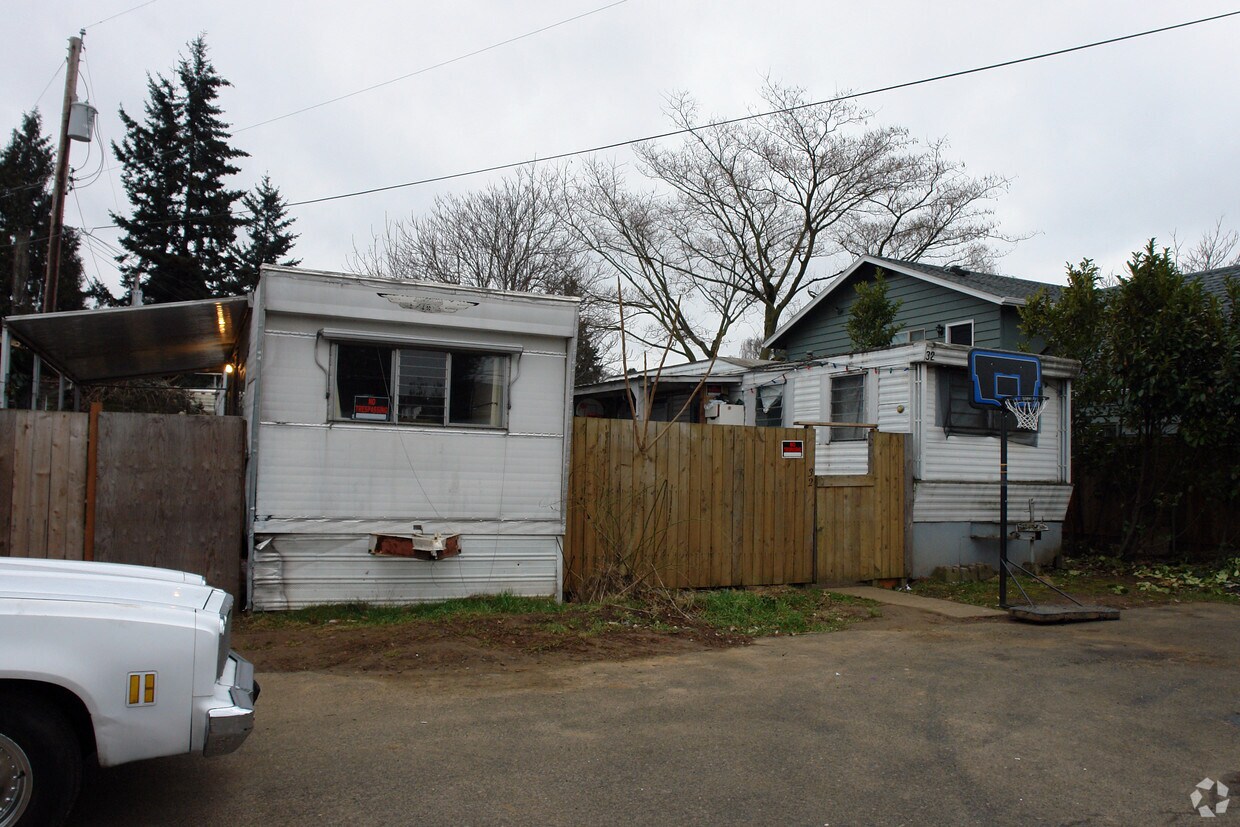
(1101,575)
(1165,578)
(736,612)
(371,614)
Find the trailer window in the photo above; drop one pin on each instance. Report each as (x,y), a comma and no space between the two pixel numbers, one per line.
(957,417)
(419,386)
(847,405)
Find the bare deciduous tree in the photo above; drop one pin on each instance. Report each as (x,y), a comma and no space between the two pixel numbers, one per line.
(743,211)
(663,283)
(931,210)
(1216,248)
(508,236)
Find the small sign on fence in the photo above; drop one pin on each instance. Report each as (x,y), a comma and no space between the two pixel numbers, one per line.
(794,448)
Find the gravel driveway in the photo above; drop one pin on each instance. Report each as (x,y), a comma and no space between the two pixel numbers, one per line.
(986,723)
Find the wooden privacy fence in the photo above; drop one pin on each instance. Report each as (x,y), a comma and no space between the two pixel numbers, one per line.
(43,484)
(717,505)
(144,489)
(860,521)
(704,505)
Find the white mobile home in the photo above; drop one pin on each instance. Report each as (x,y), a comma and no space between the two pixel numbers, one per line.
(923,390)
(392,408)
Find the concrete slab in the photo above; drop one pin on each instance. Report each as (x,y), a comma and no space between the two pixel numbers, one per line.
(926,604)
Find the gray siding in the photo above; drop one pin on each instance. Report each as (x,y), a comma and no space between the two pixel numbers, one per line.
(822,332)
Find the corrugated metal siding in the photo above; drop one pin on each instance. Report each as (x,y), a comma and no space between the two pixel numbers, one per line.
(963,458)
(352,302)
(811,403)
(834,458)
(381,472)
(894,391)
(806,394)
(292,571)
(323,487)
(938,502)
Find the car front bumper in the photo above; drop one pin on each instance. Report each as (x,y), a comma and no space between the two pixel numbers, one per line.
(228,726)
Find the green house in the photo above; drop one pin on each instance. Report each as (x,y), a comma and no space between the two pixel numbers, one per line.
(920,386)
(945,304)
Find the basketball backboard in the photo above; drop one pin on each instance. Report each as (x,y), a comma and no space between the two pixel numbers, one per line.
(997,375)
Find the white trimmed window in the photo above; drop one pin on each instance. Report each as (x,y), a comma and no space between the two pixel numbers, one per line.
(848,405)
(960,333)
(419,386)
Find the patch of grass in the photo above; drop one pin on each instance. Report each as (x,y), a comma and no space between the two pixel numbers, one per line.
(371,614)
(975,594)
(774,611)
(782,610)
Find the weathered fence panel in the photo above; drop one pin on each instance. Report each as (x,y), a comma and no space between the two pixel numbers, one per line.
(171,493)
(860,521)
(42,484)
(169,490)
(702,505)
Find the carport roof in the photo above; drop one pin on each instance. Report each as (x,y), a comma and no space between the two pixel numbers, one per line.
(129,342)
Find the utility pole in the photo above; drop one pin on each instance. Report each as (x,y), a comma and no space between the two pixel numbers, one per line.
(62,177)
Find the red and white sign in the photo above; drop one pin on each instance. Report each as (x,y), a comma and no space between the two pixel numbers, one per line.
(794,449)
(373,408)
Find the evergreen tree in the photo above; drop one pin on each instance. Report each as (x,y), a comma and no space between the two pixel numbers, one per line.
(153,175)
(1154,410)
(871,319)
(208,225)
(26,170)
(178,237)
(268,238)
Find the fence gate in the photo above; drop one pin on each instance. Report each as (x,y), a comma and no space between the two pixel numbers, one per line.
(860,522)
(145,489)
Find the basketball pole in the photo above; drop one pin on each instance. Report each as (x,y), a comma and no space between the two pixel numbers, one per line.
(1003,503)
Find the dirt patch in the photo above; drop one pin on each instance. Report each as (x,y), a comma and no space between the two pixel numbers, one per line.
(503,642)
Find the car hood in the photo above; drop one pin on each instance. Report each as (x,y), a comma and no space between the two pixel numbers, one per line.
(26,578)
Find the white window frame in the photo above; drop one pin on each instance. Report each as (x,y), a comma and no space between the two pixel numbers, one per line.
(397,344)
(848,434)
(947,331)
(908,334)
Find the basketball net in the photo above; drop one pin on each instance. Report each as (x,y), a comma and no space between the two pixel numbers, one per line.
(1026,409)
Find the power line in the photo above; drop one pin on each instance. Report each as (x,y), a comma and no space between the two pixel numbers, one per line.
(675,132)
(423,70)
(86,237)
(740,119)
(429,68)
(59,68)
(122,13)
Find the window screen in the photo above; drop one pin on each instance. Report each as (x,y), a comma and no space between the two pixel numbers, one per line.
(847,405)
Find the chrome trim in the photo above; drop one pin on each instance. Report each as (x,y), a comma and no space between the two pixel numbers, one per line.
(15,781)
(228,726)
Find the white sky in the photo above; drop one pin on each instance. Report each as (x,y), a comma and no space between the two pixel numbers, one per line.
(1105,147)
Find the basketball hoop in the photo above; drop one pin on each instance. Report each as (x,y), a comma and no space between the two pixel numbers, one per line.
(1026,409)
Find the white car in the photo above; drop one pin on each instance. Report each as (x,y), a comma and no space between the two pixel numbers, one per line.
(110,661)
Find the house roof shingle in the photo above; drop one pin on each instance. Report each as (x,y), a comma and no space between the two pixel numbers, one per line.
(1002,290)
(1213,280)
(999,286)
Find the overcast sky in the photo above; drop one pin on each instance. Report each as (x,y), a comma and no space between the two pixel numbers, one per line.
(1105,148)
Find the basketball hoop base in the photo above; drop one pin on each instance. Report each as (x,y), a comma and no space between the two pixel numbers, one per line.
(1045,615)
